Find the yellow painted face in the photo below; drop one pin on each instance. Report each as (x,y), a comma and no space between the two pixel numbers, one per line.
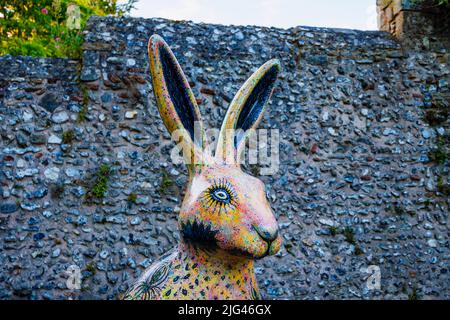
(226,208)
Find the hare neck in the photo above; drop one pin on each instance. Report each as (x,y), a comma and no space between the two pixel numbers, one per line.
(223,275)
(205,257)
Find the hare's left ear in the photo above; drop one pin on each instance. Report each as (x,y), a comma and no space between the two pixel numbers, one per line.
(246,111)
(175,100)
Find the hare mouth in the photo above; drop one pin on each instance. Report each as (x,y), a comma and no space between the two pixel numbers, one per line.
(245,253)
(267,252)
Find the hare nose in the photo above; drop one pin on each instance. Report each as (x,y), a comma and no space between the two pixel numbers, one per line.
(266,234)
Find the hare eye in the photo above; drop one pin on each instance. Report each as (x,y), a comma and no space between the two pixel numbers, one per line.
(221,195)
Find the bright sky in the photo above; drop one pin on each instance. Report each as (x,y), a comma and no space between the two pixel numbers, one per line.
(350,14)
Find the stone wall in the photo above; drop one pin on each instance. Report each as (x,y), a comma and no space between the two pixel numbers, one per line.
(357,185)
(417,26)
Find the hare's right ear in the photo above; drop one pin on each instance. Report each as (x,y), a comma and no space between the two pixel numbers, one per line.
(175,100)
(246,111)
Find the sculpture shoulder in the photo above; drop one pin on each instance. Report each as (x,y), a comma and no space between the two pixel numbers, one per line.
(150,283)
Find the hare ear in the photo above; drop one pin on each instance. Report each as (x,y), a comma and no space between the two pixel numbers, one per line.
(246,110)
(175,100)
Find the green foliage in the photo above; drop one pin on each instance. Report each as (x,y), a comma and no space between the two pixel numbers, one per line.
(39,27)
(358,251)
(82,113)
(333,231)
(56,191)
(100,184)
(349,235)
(442,187)
(166,182)
(439,111)
(132,197)
(413,294)
(397,209)
(84,105)
(289,248)
(90,267)
(401,211)
(68,136)
(439,154)
(434,118)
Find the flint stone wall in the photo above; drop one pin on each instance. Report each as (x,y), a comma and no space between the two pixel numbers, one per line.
(354,156)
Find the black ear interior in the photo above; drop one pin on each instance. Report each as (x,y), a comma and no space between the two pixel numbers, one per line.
(254,104)
(178,91)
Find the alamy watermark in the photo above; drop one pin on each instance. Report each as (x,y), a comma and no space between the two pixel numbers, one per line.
(73,14)
(73,282)
(373,281)
(254,147)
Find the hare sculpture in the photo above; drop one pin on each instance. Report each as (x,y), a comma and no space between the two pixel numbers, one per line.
(225,219)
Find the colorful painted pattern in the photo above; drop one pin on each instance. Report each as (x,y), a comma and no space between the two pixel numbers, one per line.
(225,219)
(191,273)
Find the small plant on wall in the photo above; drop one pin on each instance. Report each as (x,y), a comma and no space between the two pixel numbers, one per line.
(97,185)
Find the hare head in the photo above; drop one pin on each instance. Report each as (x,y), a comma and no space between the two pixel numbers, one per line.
(224,208)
